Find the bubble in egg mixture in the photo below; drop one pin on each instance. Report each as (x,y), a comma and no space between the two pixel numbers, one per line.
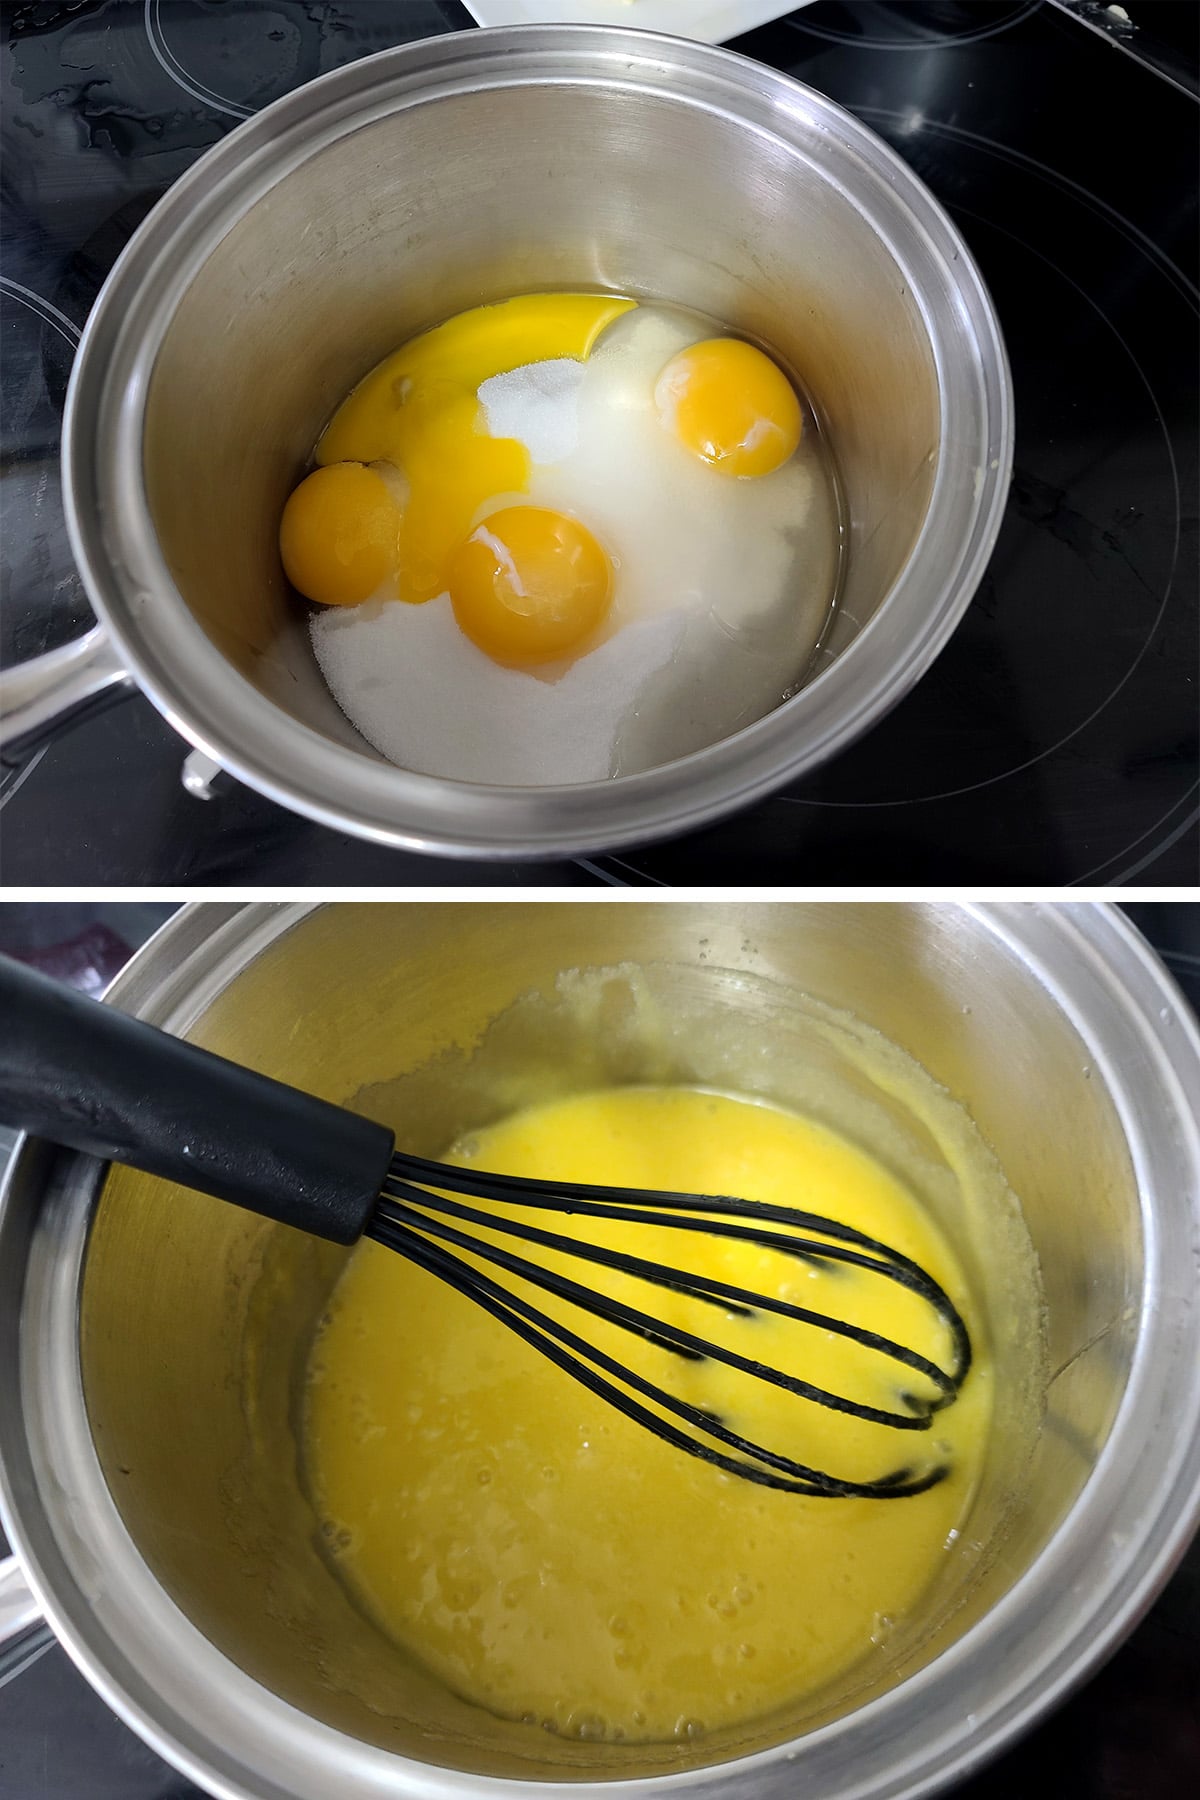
(604,538)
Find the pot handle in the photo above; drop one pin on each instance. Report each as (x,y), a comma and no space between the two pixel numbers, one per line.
(24,1634)
(39,695)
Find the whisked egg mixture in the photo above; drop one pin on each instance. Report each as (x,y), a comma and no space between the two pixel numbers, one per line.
(565,537)
(553,1562)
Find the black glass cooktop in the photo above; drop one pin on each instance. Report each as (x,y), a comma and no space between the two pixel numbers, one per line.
(1056,739)
(1133,1733)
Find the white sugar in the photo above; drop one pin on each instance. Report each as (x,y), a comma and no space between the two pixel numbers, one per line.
(537,405)
(429,701)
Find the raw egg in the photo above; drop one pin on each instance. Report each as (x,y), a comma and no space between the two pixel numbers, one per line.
(545,481)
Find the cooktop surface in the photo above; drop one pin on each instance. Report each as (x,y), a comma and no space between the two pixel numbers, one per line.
(1055,740)
(1132,1733)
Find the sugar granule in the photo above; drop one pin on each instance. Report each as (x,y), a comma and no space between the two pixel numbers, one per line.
(429,701)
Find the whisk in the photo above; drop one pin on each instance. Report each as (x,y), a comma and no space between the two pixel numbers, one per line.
(85,1075)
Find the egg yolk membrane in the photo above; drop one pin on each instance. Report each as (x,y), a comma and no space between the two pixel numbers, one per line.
(339,536)
(731,406)
(529,585)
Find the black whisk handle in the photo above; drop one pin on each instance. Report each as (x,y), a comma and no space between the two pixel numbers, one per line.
(85,1075)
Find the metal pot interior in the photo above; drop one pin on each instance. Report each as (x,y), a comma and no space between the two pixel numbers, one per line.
(196,1319)
(587,179)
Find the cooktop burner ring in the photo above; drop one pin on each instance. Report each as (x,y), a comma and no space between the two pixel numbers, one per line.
(1164,600)
(170,63)
(1084,196)
(1178,830)
(972,33)
(1182,290)
(45,309)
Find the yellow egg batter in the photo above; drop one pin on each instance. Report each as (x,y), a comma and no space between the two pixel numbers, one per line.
(551,1560)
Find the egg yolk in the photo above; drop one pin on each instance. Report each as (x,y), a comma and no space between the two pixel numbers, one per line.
(338,535)
(529,585)
(420,410)
(731,406)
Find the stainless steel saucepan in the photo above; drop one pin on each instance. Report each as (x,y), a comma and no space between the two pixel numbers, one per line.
(392,193)
(155,1339)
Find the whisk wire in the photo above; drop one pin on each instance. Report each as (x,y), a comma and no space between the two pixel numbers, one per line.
(551,1339)
(649,1206)
(659,1331)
